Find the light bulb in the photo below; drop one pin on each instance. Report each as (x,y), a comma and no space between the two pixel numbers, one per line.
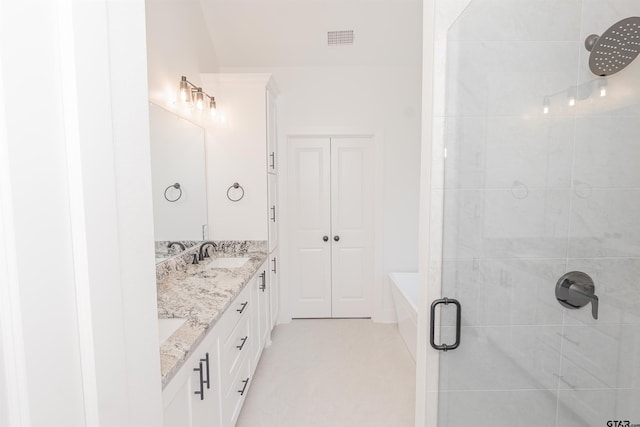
(185,93)
(572,101)
(199,98)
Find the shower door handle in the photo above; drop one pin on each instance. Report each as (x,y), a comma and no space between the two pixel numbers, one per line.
(432,340)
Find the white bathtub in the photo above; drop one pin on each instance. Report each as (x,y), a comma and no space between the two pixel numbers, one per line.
(405,295)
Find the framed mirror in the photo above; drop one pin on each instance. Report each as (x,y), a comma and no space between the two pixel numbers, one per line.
(178,169)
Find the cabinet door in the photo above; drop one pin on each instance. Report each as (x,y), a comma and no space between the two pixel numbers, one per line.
(274,288)
(272,133)
(205,412)
(197,401)
(260,295)
(177,412)
(310,226)
(274,212)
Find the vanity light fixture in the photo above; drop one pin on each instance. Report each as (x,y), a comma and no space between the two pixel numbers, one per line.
(190,93)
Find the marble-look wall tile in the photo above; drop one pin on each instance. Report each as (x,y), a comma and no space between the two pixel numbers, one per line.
(509,78)
(504,358)
(465,164)
(535,151)
(522,408)
(505,291)
(594,408)
(513,223)
(604,223)
(607,152)
(601,356)
(518,20)
(495,152)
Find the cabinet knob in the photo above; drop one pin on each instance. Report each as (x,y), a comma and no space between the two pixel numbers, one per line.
(325,238)
(336,238)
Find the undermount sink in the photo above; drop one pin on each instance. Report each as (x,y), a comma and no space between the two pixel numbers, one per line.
(227,263)
(166,327)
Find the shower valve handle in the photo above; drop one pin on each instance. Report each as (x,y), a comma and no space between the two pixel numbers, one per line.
(575,290)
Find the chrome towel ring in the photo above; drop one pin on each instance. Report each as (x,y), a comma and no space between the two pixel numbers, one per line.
(177,187)
(236,186)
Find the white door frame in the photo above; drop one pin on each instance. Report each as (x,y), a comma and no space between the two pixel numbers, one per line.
(77,273)
(378,249)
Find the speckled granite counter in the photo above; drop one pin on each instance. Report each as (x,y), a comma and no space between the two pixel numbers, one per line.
(200,295)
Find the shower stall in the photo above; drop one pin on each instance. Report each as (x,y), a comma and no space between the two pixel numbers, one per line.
(534,215)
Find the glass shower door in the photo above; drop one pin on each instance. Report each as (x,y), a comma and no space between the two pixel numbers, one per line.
(541,162)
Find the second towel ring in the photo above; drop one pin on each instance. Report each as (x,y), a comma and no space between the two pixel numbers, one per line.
(235,185)
(177,187)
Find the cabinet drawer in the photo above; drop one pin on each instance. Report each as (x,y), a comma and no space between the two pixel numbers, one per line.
(238,389)
(234,349)
(238,310)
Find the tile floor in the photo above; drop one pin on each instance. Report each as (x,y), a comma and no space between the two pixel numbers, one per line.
(332,373)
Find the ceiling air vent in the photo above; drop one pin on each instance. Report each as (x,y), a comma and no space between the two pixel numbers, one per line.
(340,38)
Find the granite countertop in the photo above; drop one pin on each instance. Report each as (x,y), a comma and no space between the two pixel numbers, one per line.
(200,296)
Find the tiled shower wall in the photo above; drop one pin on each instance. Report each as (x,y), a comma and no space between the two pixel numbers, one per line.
(529,196)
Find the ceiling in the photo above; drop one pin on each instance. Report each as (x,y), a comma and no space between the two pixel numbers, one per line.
(293,33)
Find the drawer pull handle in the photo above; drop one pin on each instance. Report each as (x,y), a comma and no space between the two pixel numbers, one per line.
(263,276)
(273,217)
(201,391)
(244,341)
(274,259)
(273,160)
(246,382)
(206,361)
(243,305)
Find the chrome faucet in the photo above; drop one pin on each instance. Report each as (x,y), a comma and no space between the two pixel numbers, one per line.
(202,253)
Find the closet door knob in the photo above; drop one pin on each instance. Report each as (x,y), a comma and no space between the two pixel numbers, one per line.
(325,238)
(336,238)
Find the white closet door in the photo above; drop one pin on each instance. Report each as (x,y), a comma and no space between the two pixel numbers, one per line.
(309,207)
(352,226)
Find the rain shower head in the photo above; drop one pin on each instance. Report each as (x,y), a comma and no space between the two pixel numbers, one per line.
(616,48)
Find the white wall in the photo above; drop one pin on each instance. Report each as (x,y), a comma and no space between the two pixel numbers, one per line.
(236,152)
(384,101)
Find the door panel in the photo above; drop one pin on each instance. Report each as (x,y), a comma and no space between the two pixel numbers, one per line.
(352,222)
(309,204)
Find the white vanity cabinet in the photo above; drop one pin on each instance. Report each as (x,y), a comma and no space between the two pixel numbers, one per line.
(232,348)
(192,397)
